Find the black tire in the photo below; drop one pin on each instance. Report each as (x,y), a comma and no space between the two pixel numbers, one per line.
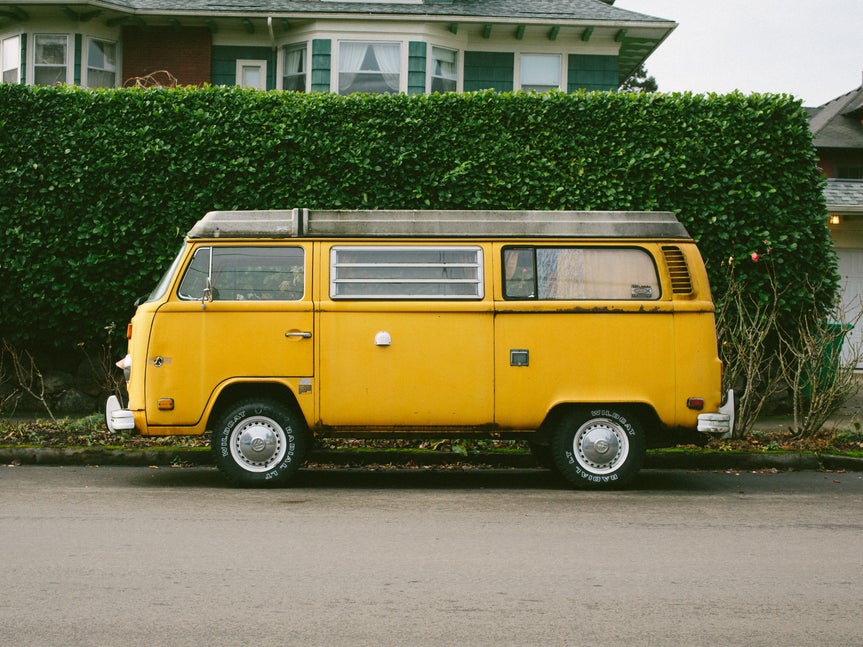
(259,443)
(542,455)
(599,448)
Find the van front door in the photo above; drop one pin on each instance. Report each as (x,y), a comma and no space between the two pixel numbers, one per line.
(239,312)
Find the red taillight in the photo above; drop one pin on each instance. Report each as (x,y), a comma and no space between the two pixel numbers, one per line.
(129,330)
(697,404)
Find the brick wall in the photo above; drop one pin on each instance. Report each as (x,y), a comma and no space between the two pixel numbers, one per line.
(184,52)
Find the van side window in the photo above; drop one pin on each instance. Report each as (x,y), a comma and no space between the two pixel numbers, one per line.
(573,273)
(245,274)
(440,272)
(195,279)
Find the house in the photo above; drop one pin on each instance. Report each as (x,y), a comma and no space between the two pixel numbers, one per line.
(411,46)
(837,129)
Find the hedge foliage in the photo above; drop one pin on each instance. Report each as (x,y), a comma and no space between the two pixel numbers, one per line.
(98,187)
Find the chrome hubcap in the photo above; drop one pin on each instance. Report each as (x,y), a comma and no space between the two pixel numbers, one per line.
(258,443)
(600,446)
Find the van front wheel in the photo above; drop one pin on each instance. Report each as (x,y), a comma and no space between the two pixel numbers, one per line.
(597,448)
(259,442)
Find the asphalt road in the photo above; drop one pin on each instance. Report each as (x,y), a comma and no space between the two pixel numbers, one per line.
(136,556)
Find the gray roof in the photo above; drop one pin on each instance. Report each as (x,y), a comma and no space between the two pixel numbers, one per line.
(844,195)
(836,124)
(438,224)
(587,10)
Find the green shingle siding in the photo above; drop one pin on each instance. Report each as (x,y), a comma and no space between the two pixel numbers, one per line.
(487,70)
(224,63)
(417,57)
(592,72)
(321,64)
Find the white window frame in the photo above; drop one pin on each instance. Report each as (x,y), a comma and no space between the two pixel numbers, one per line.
(67,57)
(286,51)
(353,54)
(443,78)
(261,64)
(90,43)
(541,83)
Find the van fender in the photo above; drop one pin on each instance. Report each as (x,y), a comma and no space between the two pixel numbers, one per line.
(646,414)
(282,390)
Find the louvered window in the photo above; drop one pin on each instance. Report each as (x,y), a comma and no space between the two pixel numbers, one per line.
(681,281)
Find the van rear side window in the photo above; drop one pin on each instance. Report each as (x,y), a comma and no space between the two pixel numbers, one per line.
(578,273)
(245,274)
(446,272)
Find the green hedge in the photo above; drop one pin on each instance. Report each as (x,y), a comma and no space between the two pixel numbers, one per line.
(97,188)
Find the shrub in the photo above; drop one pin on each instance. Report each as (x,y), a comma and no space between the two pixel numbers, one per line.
(98,187)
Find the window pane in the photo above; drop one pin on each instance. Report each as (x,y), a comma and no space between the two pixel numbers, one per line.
(406,273)
(600,273)
(369,67)
(11,57)
(257,273)
(294,64)
(101,64)
(251,76)
(195,280)
(49,75)
(246,274)
(444,70)
(49,59)
(540,72)
(50,50)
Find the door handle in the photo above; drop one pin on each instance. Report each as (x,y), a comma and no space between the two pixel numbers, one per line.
(303,334)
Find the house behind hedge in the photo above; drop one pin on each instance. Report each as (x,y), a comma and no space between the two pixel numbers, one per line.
(410,46)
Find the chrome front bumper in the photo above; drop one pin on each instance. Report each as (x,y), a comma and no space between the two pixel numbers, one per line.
(116,417)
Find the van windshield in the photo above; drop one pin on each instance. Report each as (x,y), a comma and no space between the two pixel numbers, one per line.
(162,287)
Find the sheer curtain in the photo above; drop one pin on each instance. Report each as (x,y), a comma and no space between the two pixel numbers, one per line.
(351,57)
(388,56)
(369,67)
(294,76)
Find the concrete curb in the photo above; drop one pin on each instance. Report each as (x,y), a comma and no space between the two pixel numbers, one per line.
(203,457)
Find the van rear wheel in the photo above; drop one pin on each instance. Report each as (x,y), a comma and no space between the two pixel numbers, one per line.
(259,443)
(599,448)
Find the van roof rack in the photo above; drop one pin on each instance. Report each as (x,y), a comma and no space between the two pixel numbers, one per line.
(307,223)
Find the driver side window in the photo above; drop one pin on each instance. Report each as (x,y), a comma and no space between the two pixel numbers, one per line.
(245,274)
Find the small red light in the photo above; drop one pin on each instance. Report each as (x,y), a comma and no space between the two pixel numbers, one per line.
(129,330)
(695,403)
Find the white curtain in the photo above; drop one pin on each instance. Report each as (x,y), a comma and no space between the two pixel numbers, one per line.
(351,57)
(388,56)
(444,60)
(294,61)
(378,63)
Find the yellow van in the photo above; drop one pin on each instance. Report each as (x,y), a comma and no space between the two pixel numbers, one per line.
(590,334)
